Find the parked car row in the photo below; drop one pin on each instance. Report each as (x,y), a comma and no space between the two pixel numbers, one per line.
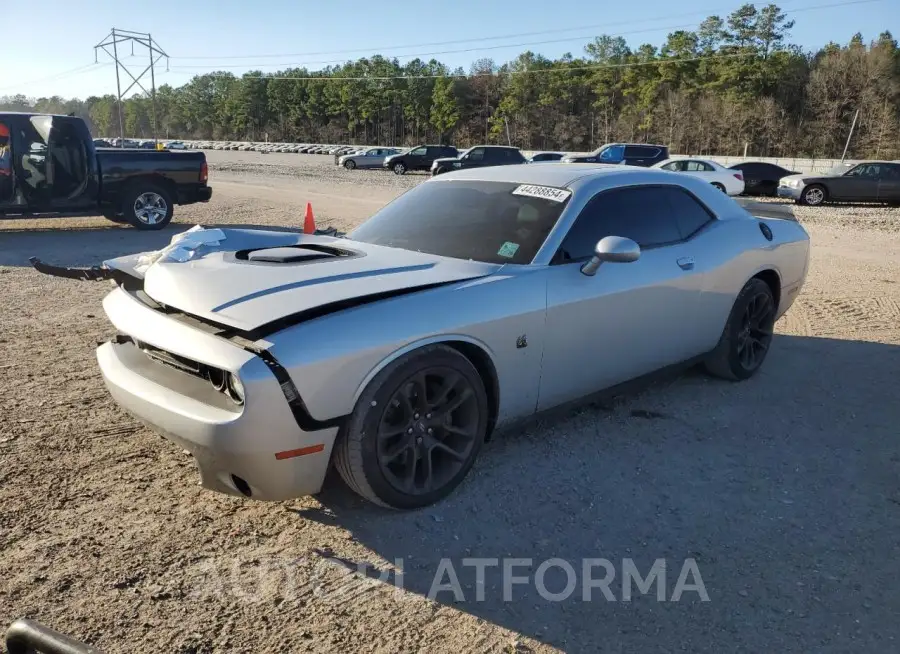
(872,181)
(295,148)
(139,144)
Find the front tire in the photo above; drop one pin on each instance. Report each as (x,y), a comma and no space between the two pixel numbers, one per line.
(147,206)
(350,164)
(747,336)
(416,430)
(399,168)
(813,195)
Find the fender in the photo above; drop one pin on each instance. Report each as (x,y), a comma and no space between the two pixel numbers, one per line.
(415,345)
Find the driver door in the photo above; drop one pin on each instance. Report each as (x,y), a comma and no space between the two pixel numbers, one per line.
(629,319)
(473,159)
(857,184)
(416,158)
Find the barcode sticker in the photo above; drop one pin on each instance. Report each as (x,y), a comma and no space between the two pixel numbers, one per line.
(545,192)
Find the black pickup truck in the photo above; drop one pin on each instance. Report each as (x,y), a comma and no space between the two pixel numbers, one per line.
(50,166)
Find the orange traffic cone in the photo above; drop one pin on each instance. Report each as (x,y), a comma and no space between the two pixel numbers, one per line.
(309,223)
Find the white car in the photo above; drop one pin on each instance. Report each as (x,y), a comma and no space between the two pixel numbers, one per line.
(725,179)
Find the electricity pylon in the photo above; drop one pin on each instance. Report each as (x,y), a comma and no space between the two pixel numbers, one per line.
(113,40)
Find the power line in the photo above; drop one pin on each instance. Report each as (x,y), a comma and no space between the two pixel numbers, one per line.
(443,52)
(373,78)
(489,38)
(66,73)
(454,42)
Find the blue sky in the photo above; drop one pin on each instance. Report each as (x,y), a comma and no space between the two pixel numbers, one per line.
(53,38)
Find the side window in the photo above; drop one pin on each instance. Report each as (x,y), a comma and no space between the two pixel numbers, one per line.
(640,152)
(671,166)
(613,153)
(689,214)
(693,166)
(891,172)
(476,155)
(419,152)
(33,158)
(874,171)
(641,214)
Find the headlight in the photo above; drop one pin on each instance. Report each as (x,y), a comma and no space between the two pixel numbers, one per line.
(235,388)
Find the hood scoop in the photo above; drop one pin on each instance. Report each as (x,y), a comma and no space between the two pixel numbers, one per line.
(293,254)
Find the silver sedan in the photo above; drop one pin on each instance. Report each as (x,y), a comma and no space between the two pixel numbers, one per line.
(370,158)
(470,302)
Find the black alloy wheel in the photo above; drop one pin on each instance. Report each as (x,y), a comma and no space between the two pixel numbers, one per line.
(416,430)
(747,336)
(755,335)
(427,431)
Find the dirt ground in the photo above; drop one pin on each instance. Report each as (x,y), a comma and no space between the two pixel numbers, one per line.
(783,489)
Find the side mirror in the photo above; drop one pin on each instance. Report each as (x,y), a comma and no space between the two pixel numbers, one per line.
(612,249)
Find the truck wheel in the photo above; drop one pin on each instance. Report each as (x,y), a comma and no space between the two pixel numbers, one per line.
(147,206)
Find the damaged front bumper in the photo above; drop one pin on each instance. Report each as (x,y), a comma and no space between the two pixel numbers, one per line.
(265,446)
(240,448)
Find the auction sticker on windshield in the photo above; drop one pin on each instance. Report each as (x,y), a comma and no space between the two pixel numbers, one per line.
(508,250)
(545,192)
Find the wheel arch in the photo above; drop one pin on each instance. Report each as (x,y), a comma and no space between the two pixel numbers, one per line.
(159,180)
(773,280)
(477,352)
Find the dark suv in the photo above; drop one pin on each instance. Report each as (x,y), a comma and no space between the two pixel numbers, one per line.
(631,154)
(478,156)
(418,158)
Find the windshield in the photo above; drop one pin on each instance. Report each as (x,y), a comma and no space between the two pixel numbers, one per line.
(492,222)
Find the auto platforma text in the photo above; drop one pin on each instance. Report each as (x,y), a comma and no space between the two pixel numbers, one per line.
(494,579)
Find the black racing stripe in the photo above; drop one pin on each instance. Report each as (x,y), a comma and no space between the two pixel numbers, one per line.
(298,408)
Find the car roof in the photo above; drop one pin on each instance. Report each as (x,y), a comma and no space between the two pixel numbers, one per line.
(649,145)
(559,176)
(706,161)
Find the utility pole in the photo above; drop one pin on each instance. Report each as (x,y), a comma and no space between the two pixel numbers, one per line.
(850,135)
(113,39)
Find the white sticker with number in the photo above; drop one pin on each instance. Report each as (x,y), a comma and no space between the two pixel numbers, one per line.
(545,192)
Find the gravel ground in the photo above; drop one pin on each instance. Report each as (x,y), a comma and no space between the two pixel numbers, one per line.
(783,489)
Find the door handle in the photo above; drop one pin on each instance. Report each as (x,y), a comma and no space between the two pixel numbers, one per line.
(686,263)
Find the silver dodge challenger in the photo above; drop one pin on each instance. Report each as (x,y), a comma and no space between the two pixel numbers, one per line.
(474,300)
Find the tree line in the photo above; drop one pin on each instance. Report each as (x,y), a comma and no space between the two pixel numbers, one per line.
(734,83)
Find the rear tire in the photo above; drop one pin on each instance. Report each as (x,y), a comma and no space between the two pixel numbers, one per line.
(719,186)
(750,325)
(395,428)
(147,206)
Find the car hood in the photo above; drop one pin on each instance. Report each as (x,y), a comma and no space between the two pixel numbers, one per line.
(219,274)
(800,177)
(444,160)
